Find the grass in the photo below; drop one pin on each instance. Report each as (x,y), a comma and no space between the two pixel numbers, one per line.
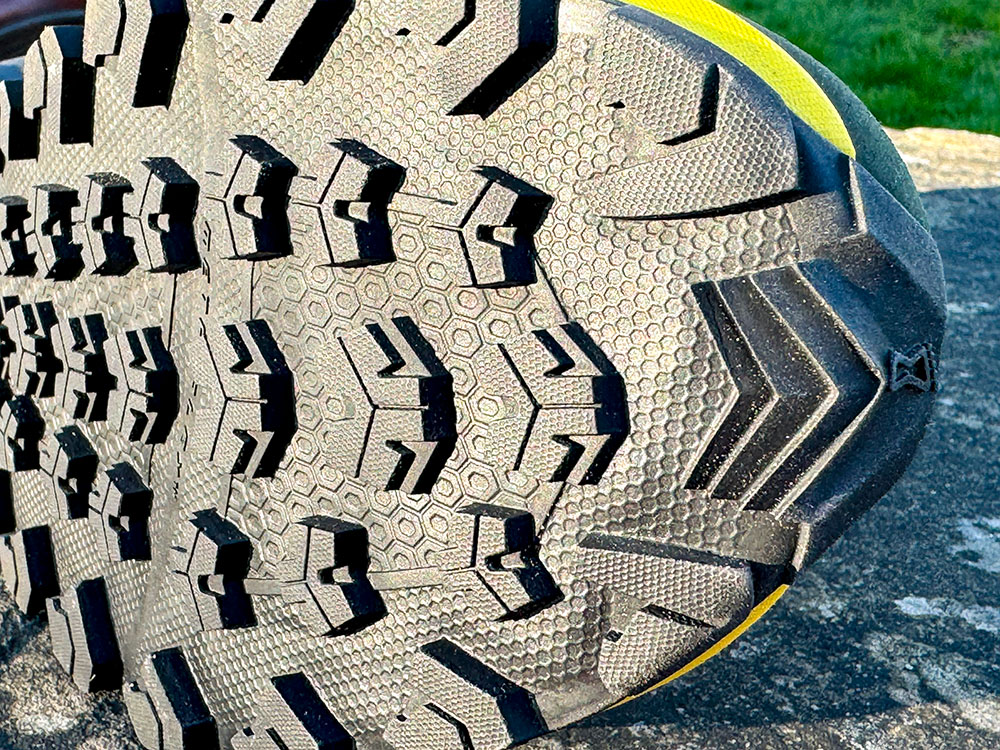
(913,62)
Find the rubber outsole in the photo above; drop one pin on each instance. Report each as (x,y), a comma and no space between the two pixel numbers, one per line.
(429,375)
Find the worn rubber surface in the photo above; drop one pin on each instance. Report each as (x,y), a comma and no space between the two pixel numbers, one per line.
(428,375)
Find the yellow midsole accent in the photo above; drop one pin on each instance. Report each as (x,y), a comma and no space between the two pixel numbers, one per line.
(755,614)
(764,57)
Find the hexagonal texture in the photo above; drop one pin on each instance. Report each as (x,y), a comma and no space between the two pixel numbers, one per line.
(428,374)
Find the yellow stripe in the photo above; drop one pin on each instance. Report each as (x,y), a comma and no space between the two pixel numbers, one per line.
(763,56)
(719,646)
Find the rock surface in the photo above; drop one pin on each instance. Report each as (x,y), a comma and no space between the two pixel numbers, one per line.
(889,642)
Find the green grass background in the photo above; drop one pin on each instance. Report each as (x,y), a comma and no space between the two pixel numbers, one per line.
(913,62)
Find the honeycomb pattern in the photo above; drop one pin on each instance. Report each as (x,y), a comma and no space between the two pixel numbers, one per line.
(636,88)
(626,282)
(682,381)
(318,309)
(617,278)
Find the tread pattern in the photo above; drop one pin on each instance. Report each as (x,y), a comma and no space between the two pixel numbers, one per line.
(71,462)
(8,514)
(15,258)
(56,240)
(692,173)
(22,427)
(214,558)
(404,430)
(662,604)
(145,401)
(165,220)
(119,511)
(151,31)
(497,235)
(89,383)
(254,398)
(60,85)
(798,373)
(111,250)
(109,231)
(503,561)
(316,26)
(472,706)
(346,207)
(579,414)
(246,209)
(28,568)
(325,577)
(83,636)
(171,713)
(293,715)
(19,131)
(36,368)
(490,49)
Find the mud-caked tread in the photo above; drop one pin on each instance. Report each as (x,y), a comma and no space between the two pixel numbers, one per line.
(83,636)
(119,510)
(154,31)
(213,557)
(502,547)
(292,715)
(247,198)
(458,703)
(168,708)
(253,398)
(28,568)
(145,401)
(345,207)
(404,428)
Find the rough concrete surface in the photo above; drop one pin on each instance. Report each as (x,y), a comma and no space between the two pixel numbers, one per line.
(890,641)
